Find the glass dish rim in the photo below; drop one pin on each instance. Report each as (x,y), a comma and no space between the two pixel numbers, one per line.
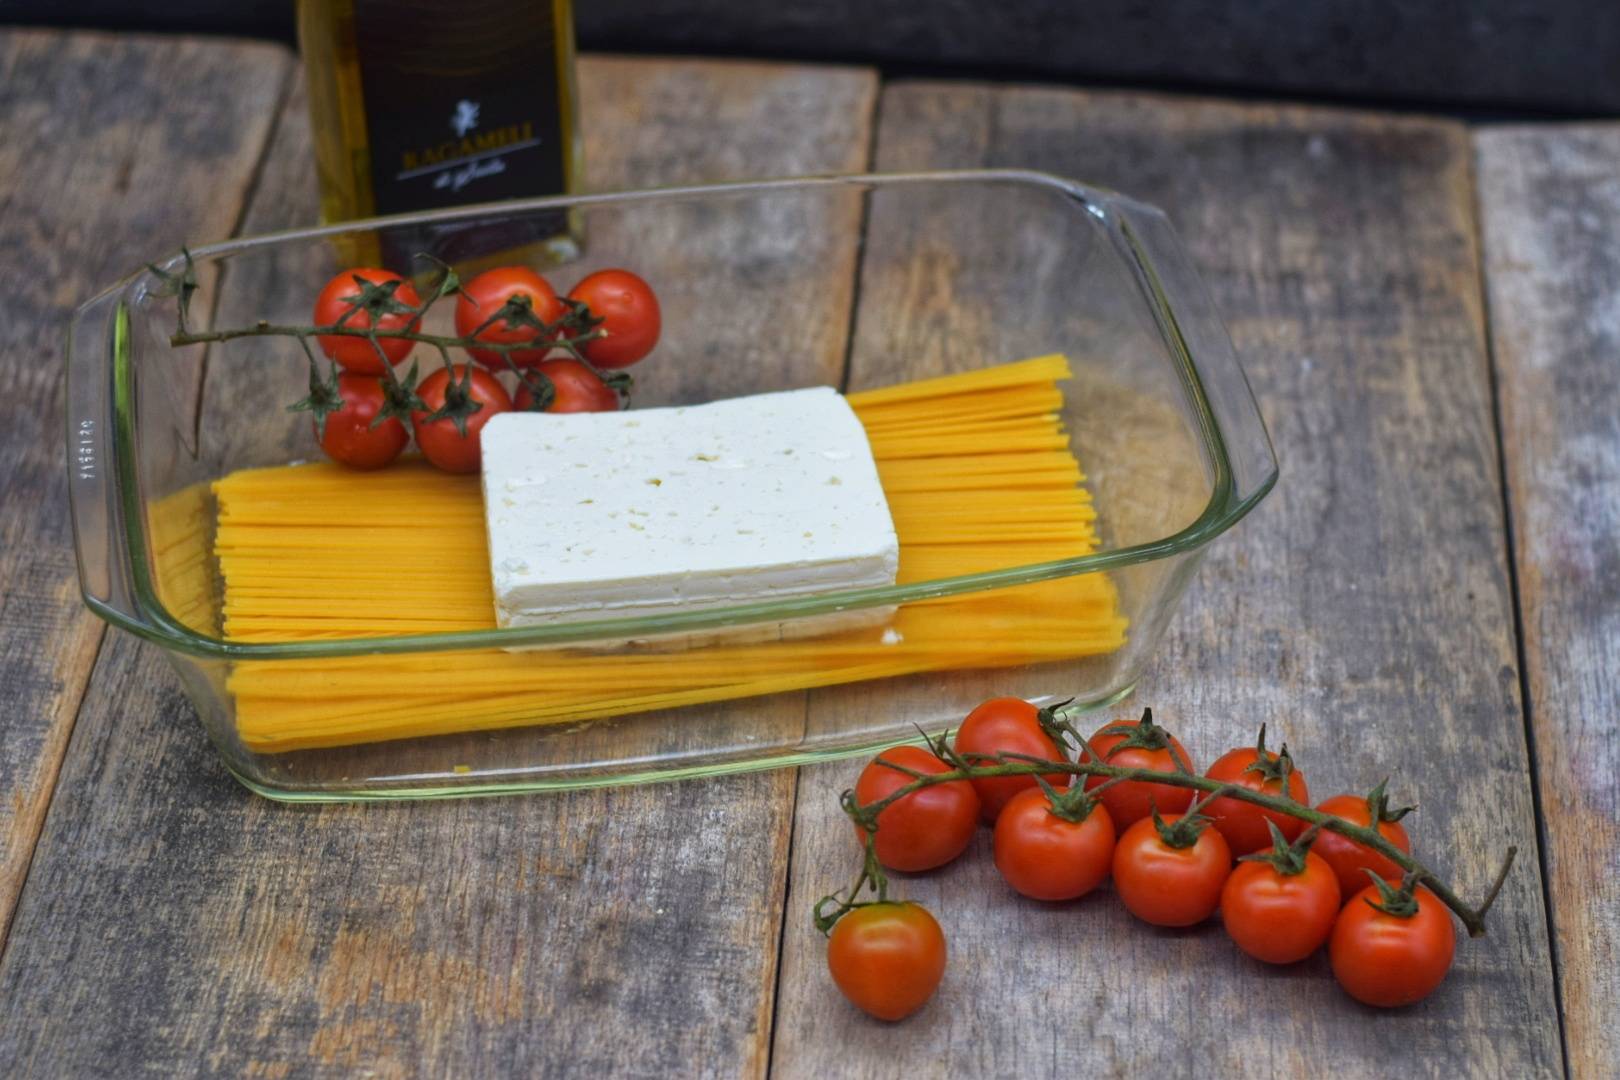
(1225,507)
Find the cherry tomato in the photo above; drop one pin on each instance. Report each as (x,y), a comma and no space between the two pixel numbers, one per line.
(1011,725)
(1139,744)
(487,294)
(439,439)
(1388,960)
(1168,885)
(577,389)
(887,958)
(1254,767)
(349,437)
(1047,857)
(925,829)
(1278,917)
(355,354)
(1351,860)
(629,313)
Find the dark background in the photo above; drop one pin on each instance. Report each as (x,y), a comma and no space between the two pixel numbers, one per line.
(1551,56)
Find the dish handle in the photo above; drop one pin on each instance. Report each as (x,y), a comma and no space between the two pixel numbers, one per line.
(95,334)
(1189,320)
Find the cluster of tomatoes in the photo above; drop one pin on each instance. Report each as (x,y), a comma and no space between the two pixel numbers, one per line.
(607,322)
(1290,891)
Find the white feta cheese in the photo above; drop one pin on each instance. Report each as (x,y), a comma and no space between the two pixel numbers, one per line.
(652,511)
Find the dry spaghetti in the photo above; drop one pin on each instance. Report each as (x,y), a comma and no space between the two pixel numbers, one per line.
(977,471)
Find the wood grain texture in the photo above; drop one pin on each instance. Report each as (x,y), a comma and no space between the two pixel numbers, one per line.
(176,925)
(108,159)
(1364,612)
(1549,202)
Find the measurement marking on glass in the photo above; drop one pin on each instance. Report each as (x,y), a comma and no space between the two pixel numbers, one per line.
(84,451)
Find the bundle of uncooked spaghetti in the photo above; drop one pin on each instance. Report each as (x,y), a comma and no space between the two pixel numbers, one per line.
(977,471)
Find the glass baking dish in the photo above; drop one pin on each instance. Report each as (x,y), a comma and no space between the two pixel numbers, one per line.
(857,282)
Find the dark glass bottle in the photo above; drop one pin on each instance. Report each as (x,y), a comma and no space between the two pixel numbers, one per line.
(418,105)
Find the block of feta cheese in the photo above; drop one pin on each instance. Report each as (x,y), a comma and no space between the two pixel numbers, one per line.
(652,511)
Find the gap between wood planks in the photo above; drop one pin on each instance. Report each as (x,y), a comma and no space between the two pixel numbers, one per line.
(249,195)
(787,912)
(133,131)
(217,843)
(1397,333)
(1549,205)
(1510,551)
(48,792)
(860,254)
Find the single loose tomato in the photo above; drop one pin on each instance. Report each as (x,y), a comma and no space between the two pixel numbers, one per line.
(1006,725)
(1258,769)
(474,397)
(1349,859)
(1392,948)
(352,435)
(575,388)
(1140,744)
(1045,853)
(887,958)
(630,317)
(360,299)
(1280,908)
(521,298)
(925,829)
(1170,872)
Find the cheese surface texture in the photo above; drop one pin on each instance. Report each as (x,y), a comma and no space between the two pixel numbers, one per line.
(652,511)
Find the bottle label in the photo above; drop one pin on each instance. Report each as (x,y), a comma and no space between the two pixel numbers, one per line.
(462,106)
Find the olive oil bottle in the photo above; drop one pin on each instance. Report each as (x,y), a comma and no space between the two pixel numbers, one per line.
(419,105)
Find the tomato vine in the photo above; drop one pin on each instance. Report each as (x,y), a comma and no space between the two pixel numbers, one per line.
(977,767)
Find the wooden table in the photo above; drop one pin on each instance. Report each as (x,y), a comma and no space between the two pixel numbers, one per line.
(1430,314)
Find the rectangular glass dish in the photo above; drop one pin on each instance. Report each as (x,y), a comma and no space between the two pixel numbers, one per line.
(861,283)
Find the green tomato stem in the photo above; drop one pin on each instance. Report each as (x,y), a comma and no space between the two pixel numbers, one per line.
(265,329)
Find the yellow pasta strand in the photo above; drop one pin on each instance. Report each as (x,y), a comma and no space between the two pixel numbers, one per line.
(978,474)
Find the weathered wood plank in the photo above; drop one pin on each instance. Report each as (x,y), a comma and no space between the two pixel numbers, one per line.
(107,158)
(175,924)
(1550,213)
(1364,612)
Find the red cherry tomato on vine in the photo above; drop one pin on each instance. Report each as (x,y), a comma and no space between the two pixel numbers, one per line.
(1388,960)
(332,306)
(487,294)
(349,437)
(441,442)
(1145,746)
(1244,824)
(1047,857)
(631,319)
(1349,859)
(1167,885)
(577,389)
(1278,917)
(1006,725)
(925,829)
(887,958)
